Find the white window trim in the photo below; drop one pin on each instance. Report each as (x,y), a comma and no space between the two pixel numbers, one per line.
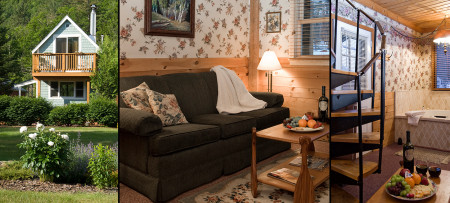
(67,36)
(74,90)
(369,47)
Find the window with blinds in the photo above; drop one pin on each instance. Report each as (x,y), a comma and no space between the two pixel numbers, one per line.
(441,73)
(311,28)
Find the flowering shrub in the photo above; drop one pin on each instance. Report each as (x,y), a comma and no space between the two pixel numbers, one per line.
(79,159)
(103,166)
(46,152)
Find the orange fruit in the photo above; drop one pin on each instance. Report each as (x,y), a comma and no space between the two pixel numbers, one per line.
(410,181)
(302,123)
(416,178)
(311,123)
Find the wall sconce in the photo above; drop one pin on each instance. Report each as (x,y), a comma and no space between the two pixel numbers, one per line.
(269,62)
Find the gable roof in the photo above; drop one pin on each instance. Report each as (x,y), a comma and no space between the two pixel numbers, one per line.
(57,27)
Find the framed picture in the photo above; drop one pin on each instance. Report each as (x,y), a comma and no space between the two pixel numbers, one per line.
(273,22)
(170,18)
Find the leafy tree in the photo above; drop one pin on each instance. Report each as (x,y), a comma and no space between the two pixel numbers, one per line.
(104,80)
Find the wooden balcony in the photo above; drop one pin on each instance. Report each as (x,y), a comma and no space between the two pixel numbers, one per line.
(64,64)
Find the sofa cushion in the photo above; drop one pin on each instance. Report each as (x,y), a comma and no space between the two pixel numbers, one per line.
(230,125)
(166,107)
(268,117)
(180,137)
(137,98)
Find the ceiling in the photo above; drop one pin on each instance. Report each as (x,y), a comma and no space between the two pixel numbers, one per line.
(420,15)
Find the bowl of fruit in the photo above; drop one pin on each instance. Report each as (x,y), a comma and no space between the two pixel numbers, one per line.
(410,187)
(305,123)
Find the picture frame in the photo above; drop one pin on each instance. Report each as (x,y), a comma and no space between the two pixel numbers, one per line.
(273,22)
(162,19)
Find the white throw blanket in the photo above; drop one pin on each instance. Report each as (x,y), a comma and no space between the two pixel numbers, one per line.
(414,117)
(233,97)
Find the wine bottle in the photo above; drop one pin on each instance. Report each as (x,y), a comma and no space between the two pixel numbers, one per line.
(323,106)
(408,153)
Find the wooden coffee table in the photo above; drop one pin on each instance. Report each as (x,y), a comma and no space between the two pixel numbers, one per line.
(442,194)
(304,189)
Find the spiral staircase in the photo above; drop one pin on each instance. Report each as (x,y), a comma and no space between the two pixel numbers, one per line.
(349,171)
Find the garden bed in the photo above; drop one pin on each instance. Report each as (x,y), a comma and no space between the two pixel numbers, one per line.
(38,186)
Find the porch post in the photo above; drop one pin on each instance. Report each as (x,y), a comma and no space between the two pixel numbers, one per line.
(38,88)
(20,91)
(88,89)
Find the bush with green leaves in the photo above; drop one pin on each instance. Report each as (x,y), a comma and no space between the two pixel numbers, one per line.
(59,116)
(13,171)
(78,113)
(103,167)
(72,114)
(27,110)
(5,101)
(103,111)
(46,152)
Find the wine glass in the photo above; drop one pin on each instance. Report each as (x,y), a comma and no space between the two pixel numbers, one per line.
(435,167)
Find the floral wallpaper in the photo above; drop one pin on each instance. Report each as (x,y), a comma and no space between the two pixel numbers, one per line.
(277,42)
(409,67)
(221,30)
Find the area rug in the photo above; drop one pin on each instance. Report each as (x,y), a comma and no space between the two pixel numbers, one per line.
(237,189)
(429,155)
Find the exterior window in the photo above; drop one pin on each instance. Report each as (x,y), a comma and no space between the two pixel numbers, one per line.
(311,28)
(53,89)
(66,89)
(345,57)
(79,89)
(441,73)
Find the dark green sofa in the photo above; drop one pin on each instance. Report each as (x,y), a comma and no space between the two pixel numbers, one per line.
(163,162)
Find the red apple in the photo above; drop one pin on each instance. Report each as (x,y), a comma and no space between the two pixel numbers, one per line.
(424,181)
(403,171)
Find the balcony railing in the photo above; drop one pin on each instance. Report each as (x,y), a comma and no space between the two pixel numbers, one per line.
(64,62)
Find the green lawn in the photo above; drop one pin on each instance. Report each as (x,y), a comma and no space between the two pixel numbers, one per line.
(30,196)
(10,137)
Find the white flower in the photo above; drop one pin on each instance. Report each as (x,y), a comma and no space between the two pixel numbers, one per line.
(23,129)
(66,137)
(51,130)
(40,126)
(32,135)
(50,143)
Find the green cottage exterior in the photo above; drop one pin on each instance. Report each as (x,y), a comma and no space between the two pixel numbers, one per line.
(64,61)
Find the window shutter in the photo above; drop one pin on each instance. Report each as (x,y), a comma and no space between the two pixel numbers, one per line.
(441,70)
(311,29)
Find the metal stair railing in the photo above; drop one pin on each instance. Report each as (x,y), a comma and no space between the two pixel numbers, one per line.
(371,63)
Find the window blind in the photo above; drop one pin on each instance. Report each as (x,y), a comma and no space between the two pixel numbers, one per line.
(441,72)
(311,29)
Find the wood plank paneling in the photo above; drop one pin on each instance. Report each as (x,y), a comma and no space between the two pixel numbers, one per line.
(389,127)
(301,85)
(253,46)
(162,66)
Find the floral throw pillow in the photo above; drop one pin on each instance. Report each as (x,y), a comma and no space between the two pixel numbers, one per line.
(165,106)
(137,98)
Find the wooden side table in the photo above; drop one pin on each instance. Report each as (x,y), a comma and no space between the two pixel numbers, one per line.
(304,188)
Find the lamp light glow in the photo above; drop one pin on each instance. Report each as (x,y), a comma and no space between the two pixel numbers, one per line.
(269,62)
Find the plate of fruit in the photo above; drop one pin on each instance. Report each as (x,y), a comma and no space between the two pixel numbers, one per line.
(410,187)
(304,123)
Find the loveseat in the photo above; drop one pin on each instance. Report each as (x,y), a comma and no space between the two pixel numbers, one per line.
(163,162)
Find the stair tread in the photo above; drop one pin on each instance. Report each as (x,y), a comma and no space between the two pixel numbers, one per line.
(343,72)
(352,113)
(368,138)
(350,91)
(350,168)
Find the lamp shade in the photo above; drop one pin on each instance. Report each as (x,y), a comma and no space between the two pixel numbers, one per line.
(442,36)
(269,61)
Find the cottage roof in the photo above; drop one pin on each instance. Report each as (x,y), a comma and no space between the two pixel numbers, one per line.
(57,27)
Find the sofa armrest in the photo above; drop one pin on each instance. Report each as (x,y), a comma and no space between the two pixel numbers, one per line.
(138,122)
(272,99)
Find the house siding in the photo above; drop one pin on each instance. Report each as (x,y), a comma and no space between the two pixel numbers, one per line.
(48,45)
(45,89)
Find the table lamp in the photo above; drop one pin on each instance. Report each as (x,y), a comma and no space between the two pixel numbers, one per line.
(269,62)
